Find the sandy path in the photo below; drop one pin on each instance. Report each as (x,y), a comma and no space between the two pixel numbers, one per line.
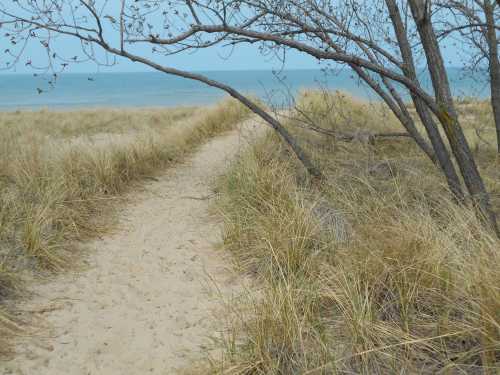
(145,305)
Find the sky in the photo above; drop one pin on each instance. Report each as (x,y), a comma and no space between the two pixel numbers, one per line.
(244,57)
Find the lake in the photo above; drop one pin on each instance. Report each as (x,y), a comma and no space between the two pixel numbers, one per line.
(153,89)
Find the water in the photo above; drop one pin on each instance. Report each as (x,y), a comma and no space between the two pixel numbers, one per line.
(152,89)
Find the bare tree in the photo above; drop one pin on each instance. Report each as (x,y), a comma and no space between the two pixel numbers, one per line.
(422,14)
(354,33)
(424,113)
(477,24)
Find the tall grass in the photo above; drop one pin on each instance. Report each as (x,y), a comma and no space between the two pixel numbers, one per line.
(414,289)
(62,172)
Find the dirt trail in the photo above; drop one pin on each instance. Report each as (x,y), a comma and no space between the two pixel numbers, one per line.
(146,303)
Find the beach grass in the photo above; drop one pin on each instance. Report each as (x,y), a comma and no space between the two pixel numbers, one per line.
(63,173)
(376,271)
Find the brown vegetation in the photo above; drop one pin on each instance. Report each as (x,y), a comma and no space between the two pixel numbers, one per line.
(378,44)
(62,172)
(413,288)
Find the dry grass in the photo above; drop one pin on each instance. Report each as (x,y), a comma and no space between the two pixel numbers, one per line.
(416,288)
(62,172)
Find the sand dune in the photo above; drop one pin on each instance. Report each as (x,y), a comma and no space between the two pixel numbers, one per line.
(145,303)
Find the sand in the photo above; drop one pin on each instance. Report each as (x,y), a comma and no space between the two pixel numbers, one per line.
(146,303)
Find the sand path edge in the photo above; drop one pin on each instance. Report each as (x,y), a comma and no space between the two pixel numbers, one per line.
(146,303)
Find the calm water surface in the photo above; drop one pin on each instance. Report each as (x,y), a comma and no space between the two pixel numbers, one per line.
(18,91)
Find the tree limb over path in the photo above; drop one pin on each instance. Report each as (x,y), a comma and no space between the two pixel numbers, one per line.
(371,41)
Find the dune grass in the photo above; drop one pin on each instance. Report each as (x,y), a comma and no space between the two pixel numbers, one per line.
(61,174)
(413,288)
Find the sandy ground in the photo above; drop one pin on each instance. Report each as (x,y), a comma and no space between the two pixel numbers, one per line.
(146,303)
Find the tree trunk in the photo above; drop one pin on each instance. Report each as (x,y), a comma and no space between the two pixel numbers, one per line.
(404,118)
(395,103)
(494,65)
(448,115)
(440,149)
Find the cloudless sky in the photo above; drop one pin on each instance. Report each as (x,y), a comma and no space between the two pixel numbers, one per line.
(243,57)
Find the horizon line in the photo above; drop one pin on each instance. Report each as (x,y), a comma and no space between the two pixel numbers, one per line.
(4,73)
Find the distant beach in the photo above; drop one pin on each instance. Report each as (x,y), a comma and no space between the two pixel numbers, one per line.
(152,89)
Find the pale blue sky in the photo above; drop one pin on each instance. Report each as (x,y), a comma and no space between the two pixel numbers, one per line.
(244,57)
(241,58)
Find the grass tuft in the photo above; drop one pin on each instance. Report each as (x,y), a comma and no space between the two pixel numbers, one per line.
(415,289)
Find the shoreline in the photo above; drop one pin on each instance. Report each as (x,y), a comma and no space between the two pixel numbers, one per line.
(102,108)
(129,107)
